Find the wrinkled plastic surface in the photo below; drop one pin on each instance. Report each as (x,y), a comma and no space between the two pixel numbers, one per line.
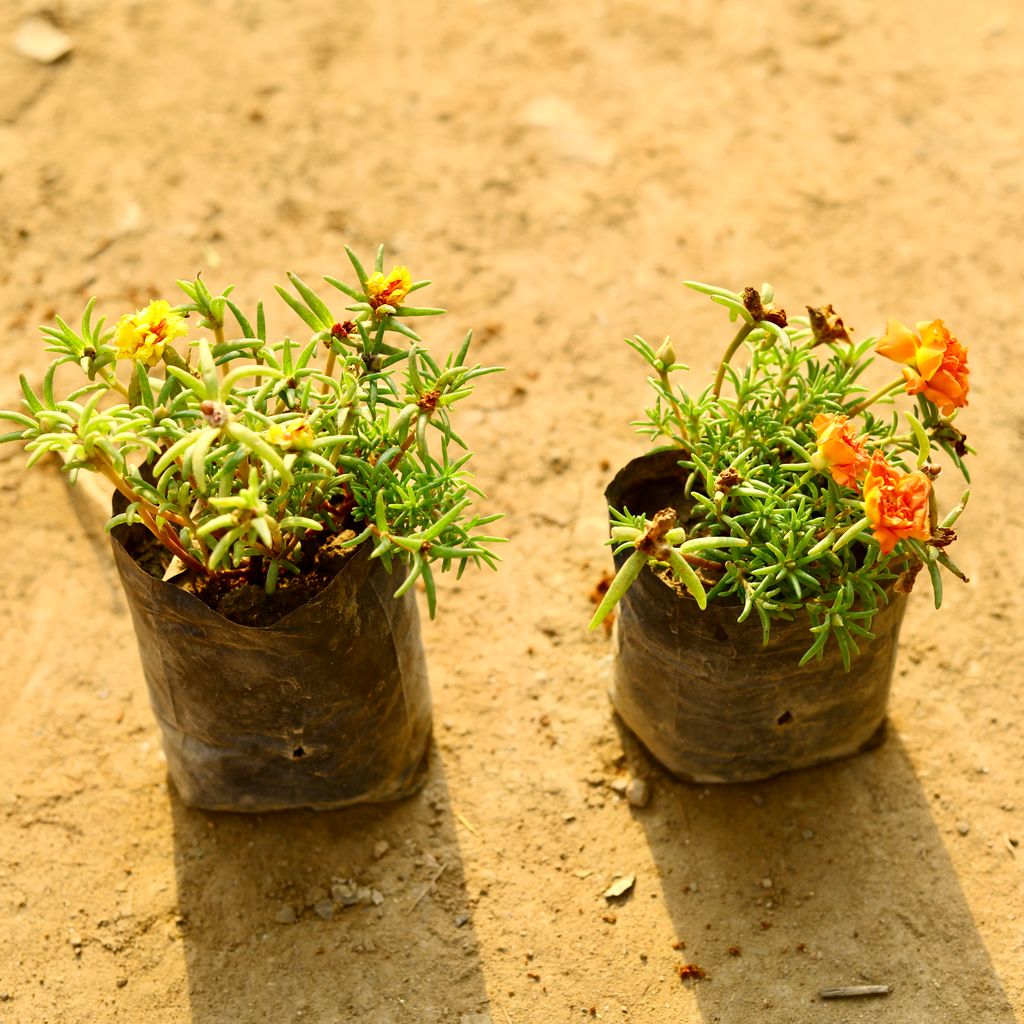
(330,706)
(707,698)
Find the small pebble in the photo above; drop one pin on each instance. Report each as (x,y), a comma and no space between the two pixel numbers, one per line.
(766,883)
(121,982)
(461,919)
(324,909)
(380,848)
(40,40)
(315,895)
(286,915)
(618,785)
(808,833)
(638,792)
(963,828)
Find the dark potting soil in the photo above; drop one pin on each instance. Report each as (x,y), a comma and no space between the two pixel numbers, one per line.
(244,599)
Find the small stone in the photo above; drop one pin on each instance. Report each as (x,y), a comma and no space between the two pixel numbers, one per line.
(963,828)
(40,40)
(363,894)
(620,887)
(376,897)
(461,920)
(121,982)
(380,848)
(618,785)
(315,895)
(638,792)
(286,915)
(343,892)
(766,883)
(808,833)
(324,908)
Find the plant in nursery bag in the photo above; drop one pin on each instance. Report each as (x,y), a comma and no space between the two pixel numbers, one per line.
(277,499)
(765,549)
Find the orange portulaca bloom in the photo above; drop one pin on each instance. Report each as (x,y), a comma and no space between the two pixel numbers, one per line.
(895,503)
(934,362)
(838,450)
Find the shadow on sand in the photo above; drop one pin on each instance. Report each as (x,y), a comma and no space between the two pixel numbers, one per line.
(828,877)
(268,935)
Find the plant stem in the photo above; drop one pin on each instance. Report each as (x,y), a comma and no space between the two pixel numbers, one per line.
(110,379)
(881,393)
(734,345)
(676,411)
(329,370)
(148,515)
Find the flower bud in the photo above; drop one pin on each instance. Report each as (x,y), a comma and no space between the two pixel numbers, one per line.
(666,354)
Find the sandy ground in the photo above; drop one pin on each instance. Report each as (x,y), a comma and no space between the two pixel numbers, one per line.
(557,169)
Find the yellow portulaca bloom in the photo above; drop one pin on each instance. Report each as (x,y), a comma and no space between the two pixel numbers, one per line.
(294,434)
(390,290)
(142,335)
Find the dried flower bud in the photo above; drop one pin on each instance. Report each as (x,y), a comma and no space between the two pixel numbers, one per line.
(216,414)
(727,480)
(652,543)
(759,311)
(827,325)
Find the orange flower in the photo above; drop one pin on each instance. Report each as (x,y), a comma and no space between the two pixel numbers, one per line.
(838,450)
(935,363)
(896,503)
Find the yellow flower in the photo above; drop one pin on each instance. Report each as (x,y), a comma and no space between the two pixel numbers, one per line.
(143,334)
(390,290)
(297,434)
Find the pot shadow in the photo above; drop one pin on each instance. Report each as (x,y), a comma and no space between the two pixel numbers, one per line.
(303,915)
(827,877)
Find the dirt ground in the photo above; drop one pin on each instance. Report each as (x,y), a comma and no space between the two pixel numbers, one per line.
(557,169)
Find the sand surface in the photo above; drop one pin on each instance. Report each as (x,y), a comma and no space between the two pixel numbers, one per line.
(557,169)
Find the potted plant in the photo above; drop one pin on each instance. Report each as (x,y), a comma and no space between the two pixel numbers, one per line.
(764,553)
(276,501)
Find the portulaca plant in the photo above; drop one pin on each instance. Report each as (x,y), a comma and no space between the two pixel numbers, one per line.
(804,496)
(240,449)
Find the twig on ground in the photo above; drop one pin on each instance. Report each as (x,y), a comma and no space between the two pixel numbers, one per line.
(853,991)
(428,887)
(465,822)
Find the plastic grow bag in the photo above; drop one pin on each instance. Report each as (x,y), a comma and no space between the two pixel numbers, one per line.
(327,707)
(702,692)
